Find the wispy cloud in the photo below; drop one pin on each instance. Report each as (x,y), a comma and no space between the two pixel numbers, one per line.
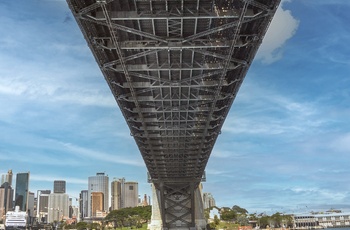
(102,156)
(51,178)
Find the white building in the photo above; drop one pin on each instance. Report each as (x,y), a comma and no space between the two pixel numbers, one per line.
(131,191)
(58,208)
(324,220)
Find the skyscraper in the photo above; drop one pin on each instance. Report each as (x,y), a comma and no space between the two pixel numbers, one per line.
(30,207)
(42,204)
(124,194)
(59,186)
(6,198)
(131,197)
(22,192)
(96,203)
(98,183)
(116,192)
(58,208)
(83,204)
(7,178)
(208,200)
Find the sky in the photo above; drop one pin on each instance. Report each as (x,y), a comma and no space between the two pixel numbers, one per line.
(284,147)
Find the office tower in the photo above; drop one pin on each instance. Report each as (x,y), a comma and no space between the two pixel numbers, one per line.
(7,178)
(22,192)
(116,192)
(6,198)
(96,203)
(131,194)
(208,200)
(98,183)
(30,208)
(59,186)
(58,208)
(124,194)
(42,204)
(75,213)
(83,204)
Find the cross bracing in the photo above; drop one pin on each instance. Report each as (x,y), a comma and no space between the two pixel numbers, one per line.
(174,68)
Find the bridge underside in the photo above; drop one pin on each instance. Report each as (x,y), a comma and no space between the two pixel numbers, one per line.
(174,68)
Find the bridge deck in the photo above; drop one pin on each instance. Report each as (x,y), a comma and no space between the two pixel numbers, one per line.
(174,68)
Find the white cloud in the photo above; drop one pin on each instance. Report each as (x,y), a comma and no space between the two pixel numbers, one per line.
(225,154)
(321,194)
(51,178)
(97,155)
(283,26)
(268,112)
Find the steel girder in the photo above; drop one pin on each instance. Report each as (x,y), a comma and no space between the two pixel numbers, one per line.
(174,68)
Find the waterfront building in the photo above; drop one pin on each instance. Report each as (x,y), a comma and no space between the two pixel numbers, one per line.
(83,204)
(22,192)
(98,183)
(323,220)
(58,208)
(131,197)
(59,186)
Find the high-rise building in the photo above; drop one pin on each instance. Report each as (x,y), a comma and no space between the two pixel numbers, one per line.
(59,186)
(22,192)
(208,200)
(116,192)
(7,178)
(58,208)
(30,208)
(6,198)
(96,203)
(131,194)
(98,183)
(42,204)
(124,194)
(83,204)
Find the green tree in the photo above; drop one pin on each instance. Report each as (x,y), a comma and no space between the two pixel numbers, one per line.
(81,225)
(239,210)
(242,220)
(216,220)
(227,214)
(264,221)
(129,216)
(207,213)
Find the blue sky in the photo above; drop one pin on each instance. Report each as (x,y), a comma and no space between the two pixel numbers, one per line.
(285,144)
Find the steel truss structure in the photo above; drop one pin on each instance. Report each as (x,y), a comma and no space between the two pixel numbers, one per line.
(174,68)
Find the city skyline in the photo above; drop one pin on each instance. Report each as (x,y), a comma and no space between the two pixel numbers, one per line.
(283,147)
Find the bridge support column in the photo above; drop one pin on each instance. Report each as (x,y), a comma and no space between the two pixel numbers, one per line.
(177,206)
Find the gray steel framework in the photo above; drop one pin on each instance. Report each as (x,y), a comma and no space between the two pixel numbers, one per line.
(174,68)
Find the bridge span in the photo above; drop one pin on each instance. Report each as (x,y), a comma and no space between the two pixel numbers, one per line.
(174,68)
